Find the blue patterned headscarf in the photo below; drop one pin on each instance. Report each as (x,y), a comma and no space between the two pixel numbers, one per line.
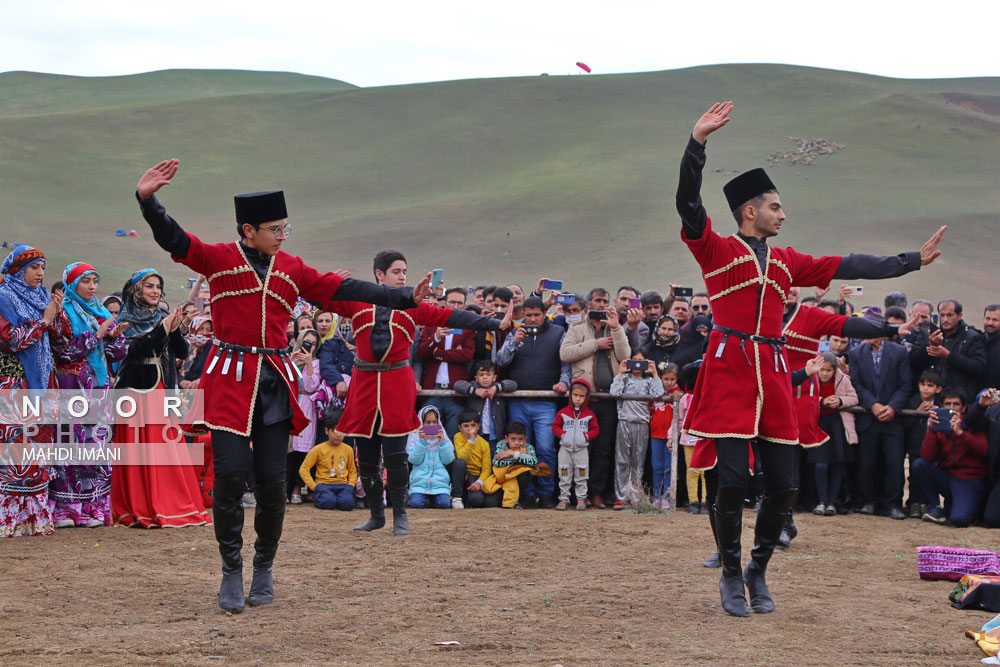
(141,317)
(20,303)
(86,316)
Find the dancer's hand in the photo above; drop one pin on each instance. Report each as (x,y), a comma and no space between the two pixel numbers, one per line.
(156,177)
(929,251)
(716,116)
(422,289)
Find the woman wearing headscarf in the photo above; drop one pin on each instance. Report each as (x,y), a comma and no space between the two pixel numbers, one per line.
(313,394)
(80,495)
(29,317)
(198,340)
(663,341)
(152,495)
(692,344)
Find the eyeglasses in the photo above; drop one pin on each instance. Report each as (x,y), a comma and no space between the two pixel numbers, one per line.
(279,232)
(705,307)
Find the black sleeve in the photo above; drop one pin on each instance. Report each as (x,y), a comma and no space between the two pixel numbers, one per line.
(397,298)
(859,327)
(166,232)
(149,345)
(689,204)
(975,418)
(178,344)
(466,319)
(874,267)
(798,377)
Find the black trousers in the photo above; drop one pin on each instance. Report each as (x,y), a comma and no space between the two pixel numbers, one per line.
(602,449)
(882,441)
(231,452)
(778,462)
(371,450)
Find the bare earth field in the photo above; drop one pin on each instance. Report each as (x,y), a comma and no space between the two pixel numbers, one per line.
(513,587)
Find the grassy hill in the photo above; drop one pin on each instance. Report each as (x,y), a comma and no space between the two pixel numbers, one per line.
(497,180)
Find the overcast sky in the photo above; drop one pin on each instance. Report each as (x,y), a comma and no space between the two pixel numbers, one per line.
(372,43)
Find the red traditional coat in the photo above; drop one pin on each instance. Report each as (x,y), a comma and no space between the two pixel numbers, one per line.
(737,395)
(803,330)
(249,311)
(392,394)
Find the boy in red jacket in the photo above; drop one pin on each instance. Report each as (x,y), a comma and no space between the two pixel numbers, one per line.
(575,426)
(953,463)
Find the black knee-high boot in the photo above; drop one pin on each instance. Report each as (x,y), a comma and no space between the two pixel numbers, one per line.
(269,520)
(771,517)
(713,561)
(398,475)
(227,519)
(729,527)
(371,482)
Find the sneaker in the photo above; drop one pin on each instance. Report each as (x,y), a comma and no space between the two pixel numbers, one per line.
(518,506)
(702,508)
(94,523)
(619,505)
(917,510)
(581,505)
(457,504)
(820,510)
(249,501)
(934,515)
(831,510)
(694,507)
(546,503)
(664,503)
(563,504)
(64,523)
(296,500)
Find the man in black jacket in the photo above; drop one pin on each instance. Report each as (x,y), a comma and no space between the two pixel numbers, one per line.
(955,350)
(991,342)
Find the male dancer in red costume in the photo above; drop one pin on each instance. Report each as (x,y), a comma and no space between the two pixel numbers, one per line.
(379,413)
(251,385)
(744,391)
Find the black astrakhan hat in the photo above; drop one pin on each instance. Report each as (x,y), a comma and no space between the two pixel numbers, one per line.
(746,186)
(257,207)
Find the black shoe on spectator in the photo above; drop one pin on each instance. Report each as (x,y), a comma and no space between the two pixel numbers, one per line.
(868,508)
(917,510)
(547,503)
(694,508)
(528,502)
(896,513)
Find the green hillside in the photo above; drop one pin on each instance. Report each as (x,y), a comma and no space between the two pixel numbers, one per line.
(572,177)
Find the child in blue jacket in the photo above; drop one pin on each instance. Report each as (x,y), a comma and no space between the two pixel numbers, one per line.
(430,451)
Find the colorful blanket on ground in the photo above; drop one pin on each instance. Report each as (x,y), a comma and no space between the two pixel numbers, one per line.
(976,591)
(988,638)
(950,563)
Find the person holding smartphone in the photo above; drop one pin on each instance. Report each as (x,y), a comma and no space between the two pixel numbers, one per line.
(595,348)
(379,412)
(953,463)
(311,391)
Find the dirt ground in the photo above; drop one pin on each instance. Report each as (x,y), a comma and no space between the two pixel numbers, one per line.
(533,587)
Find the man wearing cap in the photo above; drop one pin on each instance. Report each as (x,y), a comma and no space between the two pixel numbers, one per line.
(251,385)
(744,391)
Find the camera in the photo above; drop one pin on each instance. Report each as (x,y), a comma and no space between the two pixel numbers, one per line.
(637,365)
(994,395)
(684,291)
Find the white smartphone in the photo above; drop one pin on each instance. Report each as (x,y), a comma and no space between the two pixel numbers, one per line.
(856,290)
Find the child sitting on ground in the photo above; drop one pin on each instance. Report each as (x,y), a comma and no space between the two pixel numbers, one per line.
(515,456)
(336,474)
(575,426)
(430,451)
(472,465)
(661,437)
(633,426)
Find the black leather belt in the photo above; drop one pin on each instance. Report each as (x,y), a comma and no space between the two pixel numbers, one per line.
(241,350)
(775,343)
(380,367)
